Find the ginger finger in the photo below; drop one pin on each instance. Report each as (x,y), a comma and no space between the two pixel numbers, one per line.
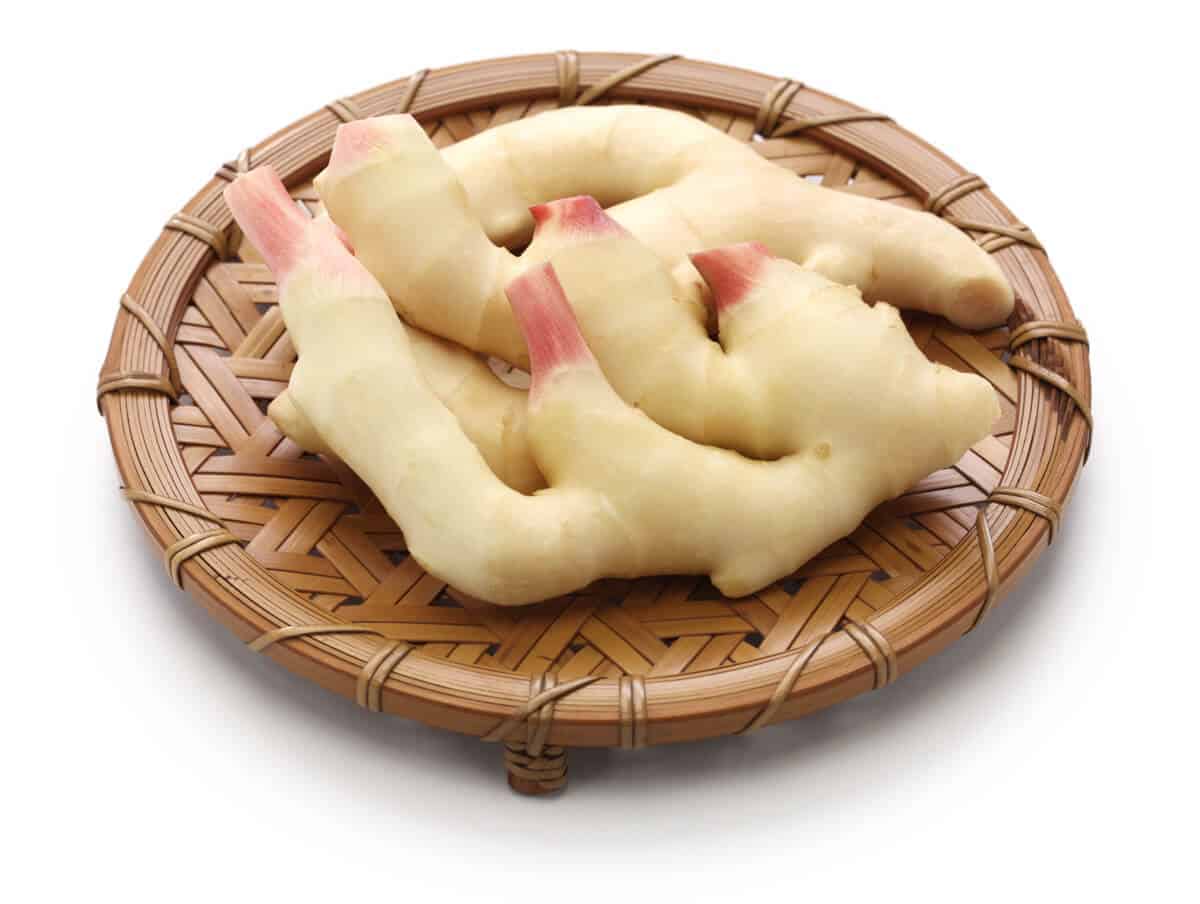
(626,497)
(490,412)
(750,391)
(689,508)
(412,227)
(684,186)
(358,384)
(293,424)
(445,275)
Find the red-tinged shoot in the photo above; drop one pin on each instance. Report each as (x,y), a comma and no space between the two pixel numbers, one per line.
(732,272)
(269,218)
(548,325)
(288,238)
(580,217)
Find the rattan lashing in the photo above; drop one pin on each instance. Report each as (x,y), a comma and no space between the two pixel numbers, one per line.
(201,229)
(845,637)
(377,669)
(535,767)
(631,694)
(168,385)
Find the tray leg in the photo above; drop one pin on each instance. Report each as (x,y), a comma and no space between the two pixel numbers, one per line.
(541,774)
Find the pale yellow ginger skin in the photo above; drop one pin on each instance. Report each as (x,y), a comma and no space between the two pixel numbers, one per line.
(750,392)
(415,226)
(626,497)
(491,413)
(681,186)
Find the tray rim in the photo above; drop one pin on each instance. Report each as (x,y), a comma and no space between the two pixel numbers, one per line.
(472,699)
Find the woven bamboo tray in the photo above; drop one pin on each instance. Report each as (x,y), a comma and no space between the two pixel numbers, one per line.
(293,554)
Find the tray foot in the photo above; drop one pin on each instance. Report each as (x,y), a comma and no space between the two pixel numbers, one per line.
(544,773)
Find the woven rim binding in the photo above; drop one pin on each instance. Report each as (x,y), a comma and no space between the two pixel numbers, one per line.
(535,716)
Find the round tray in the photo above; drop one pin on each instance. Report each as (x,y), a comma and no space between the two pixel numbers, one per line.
(297,558)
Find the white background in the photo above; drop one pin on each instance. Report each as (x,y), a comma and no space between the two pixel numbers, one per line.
(148,754)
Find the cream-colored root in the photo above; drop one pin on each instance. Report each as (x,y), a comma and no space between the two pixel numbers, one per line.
(626,496)
(294,425)
(752,390)
(491,413)
(415,227)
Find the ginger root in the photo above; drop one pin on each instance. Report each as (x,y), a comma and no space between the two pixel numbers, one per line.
(491,413)
(416,229)
(746,391)
(627,497)
(424,221)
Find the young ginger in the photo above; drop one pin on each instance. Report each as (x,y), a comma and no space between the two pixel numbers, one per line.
(626,496)
(424,221)
(444,274)
(750,392)
(491,413)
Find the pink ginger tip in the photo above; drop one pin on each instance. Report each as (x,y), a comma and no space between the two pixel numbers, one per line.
(355,141)
(581,214)
(269,218)
(731,271)
(547,323)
